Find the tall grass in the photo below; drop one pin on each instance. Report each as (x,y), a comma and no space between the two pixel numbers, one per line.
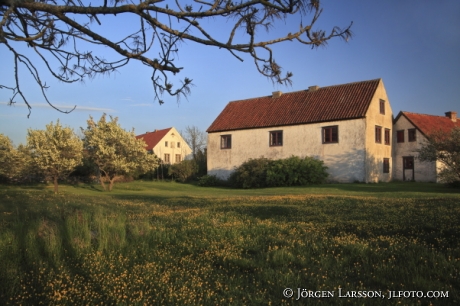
(129,249)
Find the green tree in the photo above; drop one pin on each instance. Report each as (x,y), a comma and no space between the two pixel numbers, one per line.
(58,31)
(184,170)
(115,151)
(445,148)
(55,152)
(201,159)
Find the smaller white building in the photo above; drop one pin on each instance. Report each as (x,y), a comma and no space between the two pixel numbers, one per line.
(167,144)
(410,132)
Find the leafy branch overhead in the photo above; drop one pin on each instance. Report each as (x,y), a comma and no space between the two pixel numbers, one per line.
(58,31)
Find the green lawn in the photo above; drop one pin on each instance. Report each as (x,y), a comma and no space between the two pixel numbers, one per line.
(163,243)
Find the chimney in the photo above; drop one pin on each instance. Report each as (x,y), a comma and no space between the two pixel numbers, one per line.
(452,116)
(276,94)
(313,88)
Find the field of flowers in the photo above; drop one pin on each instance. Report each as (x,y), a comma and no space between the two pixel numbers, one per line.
(133,249)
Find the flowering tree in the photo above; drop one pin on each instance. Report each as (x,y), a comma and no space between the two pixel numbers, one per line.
(58,31)
(445,148)
(115,151)
(55,151)
(11,159)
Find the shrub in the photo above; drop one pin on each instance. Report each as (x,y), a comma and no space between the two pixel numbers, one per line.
(292,171)
(210,181)
(250,174)
(454,184)
(183,171)
(160,173)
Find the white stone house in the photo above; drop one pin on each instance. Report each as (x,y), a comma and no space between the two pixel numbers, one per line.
(167,144)
(410,131)
(347,126)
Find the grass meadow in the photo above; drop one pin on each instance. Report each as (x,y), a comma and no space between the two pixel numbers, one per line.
(162,243)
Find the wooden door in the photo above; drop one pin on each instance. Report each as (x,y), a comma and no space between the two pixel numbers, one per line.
(408,168)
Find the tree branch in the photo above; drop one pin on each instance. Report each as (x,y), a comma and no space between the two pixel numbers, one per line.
(49,25)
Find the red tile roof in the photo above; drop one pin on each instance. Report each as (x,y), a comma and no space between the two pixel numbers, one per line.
(338,102)
(153,138)
(428,124)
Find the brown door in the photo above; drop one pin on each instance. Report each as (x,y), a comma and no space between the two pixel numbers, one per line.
(408,168)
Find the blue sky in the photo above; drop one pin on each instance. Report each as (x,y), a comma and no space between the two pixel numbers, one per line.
(414,46)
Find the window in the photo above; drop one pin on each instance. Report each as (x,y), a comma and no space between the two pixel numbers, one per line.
(387,136)
(167,160)
(226,141)
(382,107)
(178,158)
(166,144)
(178,144)
(408,162)
(276,138)
(386,165)
(378,134)
(411,135)
(331,134)
(400,136)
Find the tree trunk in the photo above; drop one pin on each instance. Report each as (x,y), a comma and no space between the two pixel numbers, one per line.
(55,179)
(111,183)
(101,179)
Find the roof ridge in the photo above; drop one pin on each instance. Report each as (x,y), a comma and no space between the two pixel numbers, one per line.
(302,90)
(406,112)
(155,131)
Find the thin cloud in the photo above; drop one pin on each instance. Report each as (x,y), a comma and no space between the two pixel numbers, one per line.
(11,116)
(64,107)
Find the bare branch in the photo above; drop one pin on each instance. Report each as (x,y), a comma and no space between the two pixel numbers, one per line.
(56,29)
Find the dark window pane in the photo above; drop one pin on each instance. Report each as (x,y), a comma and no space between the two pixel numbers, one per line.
(276,138)
(412,135)
(400,136)
(378,134)
(387,136)
(386,165)
(226,141)
(330,134)
(382,107)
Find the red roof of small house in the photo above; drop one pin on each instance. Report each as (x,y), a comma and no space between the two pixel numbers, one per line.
(153,138)
(428,124)
(331,103)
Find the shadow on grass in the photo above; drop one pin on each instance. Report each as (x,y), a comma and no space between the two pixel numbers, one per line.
(392,188)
